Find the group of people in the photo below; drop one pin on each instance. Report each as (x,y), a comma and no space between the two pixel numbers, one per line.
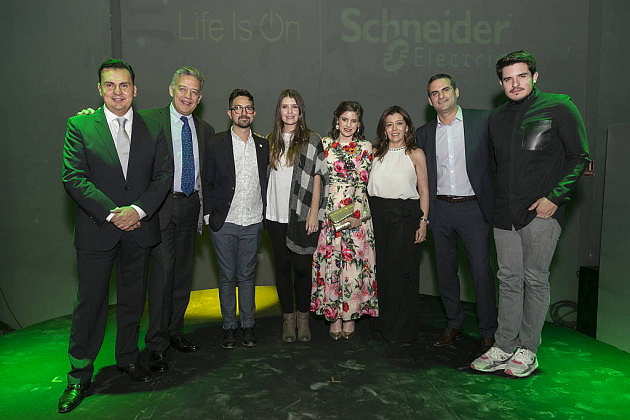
(345,216)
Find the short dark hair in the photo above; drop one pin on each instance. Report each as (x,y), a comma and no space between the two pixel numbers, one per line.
(441,76)
(346,106)
(520,56)
(240,92)
(115,63)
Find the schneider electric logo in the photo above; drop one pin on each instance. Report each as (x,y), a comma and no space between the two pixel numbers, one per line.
(414,41)
(396,55)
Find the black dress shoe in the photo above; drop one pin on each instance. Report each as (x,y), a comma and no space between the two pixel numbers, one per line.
(448,337)
(72,397)
(229,338)
(249,338)
(136,372)
(158,362)
(181,343)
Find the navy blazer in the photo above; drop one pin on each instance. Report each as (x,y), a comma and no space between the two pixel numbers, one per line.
(478,160)
(92,175)
(219,176)
(159,120)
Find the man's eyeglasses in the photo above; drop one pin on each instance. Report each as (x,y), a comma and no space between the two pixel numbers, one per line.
(240,108)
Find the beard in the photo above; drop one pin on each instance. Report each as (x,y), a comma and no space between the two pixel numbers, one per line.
(243,122)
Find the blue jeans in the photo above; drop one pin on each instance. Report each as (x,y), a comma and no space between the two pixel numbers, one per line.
(236,248)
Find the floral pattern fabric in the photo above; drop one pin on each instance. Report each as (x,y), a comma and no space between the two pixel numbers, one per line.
(344,283)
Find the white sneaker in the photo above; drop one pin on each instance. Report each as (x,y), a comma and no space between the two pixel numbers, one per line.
(522,364)
(492,360)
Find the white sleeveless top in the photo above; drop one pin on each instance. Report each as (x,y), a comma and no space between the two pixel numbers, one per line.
(394,176)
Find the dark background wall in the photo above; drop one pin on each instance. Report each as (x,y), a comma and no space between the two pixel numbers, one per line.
(379,53)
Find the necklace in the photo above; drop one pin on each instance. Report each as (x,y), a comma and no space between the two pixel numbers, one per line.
(396,149)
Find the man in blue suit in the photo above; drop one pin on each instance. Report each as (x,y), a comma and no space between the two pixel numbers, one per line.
(461,201)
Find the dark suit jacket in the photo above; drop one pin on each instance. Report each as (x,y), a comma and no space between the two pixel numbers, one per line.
(477,157)
(219,176)
(93,177)
(158,121)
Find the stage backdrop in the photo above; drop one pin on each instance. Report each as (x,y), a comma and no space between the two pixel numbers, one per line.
(379,53)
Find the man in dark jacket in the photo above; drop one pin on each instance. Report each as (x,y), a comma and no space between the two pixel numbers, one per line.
(118,175)
(462,200)
(235,190)
(540,149)
(180,215)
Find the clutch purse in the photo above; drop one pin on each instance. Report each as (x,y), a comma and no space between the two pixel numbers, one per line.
(338,217)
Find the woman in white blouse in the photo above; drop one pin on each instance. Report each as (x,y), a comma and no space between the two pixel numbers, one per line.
(399,201)
(291,217)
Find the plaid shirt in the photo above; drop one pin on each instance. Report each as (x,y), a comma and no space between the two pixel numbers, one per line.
(301,195)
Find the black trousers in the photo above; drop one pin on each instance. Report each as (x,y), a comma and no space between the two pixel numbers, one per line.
(293,271)
(450,221)
(397,266)
(170,281)
(90,312)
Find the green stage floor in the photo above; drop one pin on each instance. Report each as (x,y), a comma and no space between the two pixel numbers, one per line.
(579,378)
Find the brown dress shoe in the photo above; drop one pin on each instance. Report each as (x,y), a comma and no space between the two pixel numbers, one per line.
(449,337)
(486,343)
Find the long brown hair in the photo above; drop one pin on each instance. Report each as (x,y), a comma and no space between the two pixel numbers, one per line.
(300,135)
(382,145)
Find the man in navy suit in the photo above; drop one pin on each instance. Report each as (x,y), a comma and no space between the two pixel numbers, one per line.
(180,215)
(458,164)
(235,189)
(118,176)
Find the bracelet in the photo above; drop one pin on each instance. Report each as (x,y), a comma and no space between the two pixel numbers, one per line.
(424,219)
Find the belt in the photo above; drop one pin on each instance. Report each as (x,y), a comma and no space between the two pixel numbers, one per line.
(178,194)
(456,198)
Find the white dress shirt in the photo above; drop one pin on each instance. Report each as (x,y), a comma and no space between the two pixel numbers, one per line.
(112,123)
(246,208)
(450,156)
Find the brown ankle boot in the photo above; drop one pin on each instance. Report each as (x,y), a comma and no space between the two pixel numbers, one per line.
(288,327)
(304,331)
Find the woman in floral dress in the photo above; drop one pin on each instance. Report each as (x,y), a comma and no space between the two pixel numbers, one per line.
(344,285)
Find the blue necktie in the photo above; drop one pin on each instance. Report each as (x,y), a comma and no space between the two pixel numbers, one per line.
(188,159)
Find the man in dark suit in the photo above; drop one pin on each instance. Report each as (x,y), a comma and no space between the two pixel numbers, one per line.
(118,176)
(461,199)
(235,190)
(180,215)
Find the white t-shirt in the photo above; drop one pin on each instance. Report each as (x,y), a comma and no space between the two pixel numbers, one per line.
(279,187)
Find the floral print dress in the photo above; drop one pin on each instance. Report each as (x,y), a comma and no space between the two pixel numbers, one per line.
(344,284)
